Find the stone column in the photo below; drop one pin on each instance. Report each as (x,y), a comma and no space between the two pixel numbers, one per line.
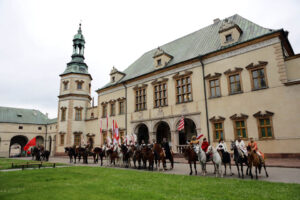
(175,140)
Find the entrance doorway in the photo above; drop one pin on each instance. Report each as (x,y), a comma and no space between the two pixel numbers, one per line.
(163,131)
(188,132)
(16,147)
(142,134)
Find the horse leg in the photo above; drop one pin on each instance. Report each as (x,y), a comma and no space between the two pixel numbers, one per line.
(225,166)
(242,170)
(238,169)
(267,175)
(172,162)
(195,166)
(230,169)
(191,172)
(256,172)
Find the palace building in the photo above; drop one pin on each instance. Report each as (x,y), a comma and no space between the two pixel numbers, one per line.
(232,78)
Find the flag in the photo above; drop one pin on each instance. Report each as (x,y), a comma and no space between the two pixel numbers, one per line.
(116,135)
(181,124)
(107,122)
(200,136)
(31,143)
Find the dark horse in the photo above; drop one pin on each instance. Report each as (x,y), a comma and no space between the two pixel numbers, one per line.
(137,156)
(191,156)
(45,155)
(226,160)
(159,155)
(98,153)
(239,160)
(71,151)
(35,152)
(127,153)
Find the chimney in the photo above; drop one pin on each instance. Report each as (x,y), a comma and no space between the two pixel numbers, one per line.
(93,102)
(217,20)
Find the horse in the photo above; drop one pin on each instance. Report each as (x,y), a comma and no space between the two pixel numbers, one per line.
(113,155)
(71,153)
(190,154)
(256,161)
(216,158)
(137,156)
(202,158)
(80,151)
(36,153)
(159,155)
(45,155)
(148,155)
(239,159)
(96,154)
(127,153)
(226,160)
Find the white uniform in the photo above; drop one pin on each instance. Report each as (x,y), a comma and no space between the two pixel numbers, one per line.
(241,145)
(221,146)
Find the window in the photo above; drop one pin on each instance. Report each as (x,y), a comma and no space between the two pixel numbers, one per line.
(228,37)
(259,80)
(258,75)
(265,128)
(160,95)
(218,131)
(63,113)
(77,139)
(183,89)
(20,127)
(140,99)
(65,85)
(159,62)
(235,84)
(92,115)
(240,128)
(104,110)
(218,128)
(214,88)
(113,79)
(121,107)
(62,139)
(112,109)
(78,114)
(79,85)
(265,125)
(39,128)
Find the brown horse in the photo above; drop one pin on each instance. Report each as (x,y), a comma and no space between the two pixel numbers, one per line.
(256,161)
(159,155)
(191,156)
(148,155)
(137,156)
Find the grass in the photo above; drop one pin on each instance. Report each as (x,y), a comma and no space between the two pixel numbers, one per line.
(5,163)
(110,184)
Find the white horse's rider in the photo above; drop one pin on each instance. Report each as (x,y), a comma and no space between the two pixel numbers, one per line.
(221,145)
(241,146)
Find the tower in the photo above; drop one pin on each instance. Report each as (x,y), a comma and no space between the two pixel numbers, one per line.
(74,97)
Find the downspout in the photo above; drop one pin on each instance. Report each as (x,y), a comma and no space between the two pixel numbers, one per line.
(46,136)
(124,84)
(205,98)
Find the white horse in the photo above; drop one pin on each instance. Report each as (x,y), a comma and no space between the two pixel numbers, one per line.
(202,159)
(216,158)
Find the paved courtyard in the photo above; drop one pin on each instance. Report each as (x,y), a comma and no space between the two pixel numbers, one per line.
(276,174)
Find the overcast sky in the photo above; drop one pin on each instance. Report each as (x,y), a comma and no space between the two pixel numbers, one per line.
(36,37)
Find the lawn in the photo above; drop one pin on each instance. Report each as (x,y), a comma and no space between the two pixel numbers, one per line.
(5,163)
(88,183)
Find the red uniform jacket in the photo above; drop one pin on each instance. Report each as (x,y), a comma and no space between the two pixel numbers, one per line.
(204,146)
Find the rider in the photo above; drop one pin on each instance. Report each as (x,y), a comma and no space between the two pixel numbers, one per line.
(253,146)
(204,147)
(222,145)
(167,150)
(241,146)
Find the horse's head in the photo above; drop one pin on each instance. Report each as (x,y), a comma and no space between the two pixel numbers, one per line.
(232,145)
(197,149)
(209,149)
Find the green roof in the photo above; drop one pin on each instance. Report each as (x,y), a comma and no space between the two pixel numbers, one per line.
(201,42)
(24,116)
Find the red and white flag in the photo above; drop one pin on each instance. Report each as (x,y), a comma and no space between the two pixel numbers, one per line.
(116,135)
(199,136)
(31,143)
(181,124)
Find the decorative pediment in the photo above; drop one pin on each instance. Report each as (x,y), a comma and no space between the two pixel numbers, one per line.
(77,132)
(159,80)
(216,75)
(78,108)
(260,64)
(140,86)
(236,70)
(215,119)
(104,103)
(112,101)
(116,75)
(90,135)
(241,117)
(121,99)
(182,74)
(161,58)
(63,108)
(229,32)
(62,133)
(260,115)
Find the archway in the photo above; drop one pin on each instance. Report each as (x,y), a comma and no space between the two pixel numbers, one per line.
(142,133)
(163,131)
(39,141)
(16,147)
(188,132)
